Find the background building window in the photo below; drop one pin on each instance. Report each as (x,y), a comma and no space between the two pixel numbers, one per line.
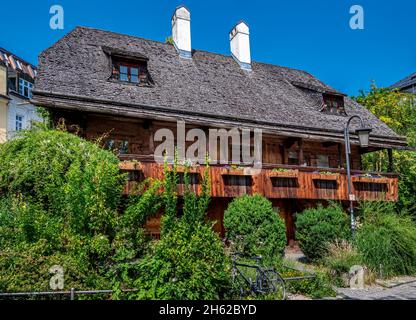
(25,88)
(19,122)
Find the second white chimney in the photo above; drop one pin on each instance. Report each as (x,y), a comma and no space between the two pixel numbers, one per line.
(181,31)
(240,45)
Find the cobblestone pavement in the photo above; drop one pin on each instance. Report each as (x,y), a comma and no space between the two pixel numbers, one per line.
(406,291)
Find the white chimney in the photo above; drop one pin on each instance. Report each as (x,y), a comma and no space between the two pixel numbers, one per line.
(181,31)
(240,45)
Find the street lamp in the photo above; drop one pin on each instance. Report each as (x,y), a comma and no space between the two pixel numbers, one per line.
(363,137)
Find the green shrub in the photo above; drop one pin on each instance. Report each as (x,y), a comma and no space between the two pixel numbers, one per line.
(32,241)
(386,240)
(189,260)
(65,175)
(58,205)
(317,227)
(254,227)
(187,263)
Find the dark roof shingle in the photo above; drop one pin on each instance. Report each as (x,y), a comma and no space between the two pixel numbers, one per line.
(209,84)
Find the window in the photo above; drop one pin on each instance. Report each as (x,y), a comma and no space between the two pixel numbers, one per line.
(322,161)
(130,71)
(25,88)
(124,75)
(109,144)
(118,146)
(12,83)
(192,177)
(19,122)
(333,104)
(230,180)
(123,147)
(293,158)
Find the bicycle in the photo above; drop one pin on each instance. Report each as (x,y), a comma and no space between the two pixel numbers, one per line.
(267,280)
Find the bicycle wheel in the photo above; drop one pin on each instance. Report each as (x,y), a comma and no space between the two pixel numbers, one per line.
(272,282)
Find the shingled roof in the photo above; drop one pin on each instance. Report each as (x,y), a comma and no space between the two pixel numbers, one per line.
(210,88)
(407,84)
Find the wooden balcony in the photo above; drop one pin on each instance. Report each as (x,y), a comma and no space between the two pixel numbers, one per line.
(276,181)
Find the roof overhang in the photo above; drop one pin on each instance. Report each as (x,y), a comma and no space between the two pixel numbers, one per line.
(123,109)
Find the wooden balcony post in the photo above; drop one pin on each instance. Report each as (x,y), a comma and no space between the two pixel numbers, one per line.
(151,139)
(391,161)
(340,162)
(301,159)
(283,153)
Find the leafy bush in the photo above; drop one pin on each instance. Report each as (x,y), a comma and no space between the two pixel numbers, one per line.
(64,175)
(386,240)
(187,263)
(189,260)
(32,241)
(130,240)
(317,227)
(59,203)
(254,227)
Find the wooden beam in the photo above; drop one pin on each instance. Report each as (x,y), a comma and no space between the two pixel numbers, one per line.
(283,153)
(151,139)
(301,158)
(329,144)
(391,161)
(289,142)
(340,161)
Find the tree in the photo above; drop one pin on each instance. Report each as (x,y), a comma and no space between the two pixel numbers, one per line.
(398,111)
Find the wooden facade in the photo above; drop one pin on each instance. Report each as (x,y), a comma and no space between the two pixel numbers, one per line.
(291,175)
(81,81)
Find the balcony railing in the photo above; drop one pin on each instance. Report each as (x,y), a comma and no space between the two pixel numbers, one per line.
(274,181)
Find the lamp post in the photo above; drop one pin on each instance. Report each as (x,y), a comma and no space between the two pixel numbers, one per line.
(363,137)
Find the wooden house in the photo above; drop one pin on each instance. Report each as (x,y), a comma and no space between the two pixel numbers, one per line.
(127,88)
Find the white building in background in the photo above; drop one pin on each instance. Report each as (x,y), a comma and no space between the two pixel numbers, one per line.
(16,112)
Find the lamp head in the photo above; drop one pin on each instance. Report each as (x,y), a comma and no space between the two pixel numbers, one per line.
(363,136)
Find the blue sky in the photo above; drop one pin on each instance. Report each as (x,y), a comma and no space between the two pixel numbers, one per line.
(312,35)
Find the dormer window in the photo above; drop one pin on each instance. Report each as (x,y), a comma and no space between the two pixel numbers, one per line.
(128,66)
(129,73)
(333,104)
(130,70)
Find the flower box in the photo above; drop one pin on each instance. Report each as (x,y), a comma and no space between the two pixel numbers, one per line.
(284,174)
(325,176)
(130,165)
(366,179)
(191,169)
(236,172)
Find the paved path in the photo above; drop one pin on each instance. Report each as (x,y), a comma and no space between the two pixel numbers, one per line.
(406,291)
